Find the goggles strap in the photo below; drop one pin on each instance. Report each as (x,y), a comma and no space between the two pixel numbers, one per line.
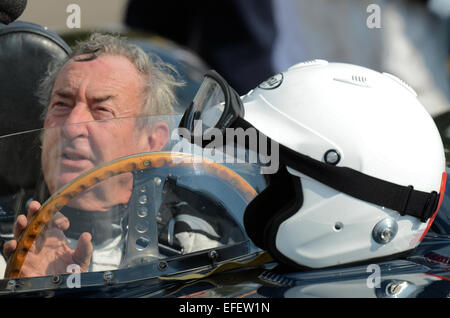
(403,199)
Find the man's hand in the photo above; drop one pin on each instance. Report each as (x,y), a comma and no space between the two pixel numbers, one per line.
(51,253)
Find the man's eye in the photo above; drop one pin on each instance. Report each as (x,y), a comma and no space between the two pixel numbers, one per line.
(60,107)
(103,112)
(60,104)
(103,109)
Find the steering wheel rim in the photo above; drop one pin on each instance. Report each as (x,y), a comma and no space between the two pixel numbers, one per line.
(92,177)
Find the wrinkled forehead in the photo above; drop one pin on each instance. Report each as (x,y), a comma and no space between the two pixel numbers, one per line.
(101,72)
(112,66)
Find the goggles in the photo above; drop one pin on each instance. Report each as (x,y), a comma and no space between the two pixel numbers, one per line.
(218,106)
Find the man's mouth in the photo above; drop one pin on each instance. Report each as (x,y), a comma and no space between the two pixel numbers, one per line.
(75,160)
(73,156)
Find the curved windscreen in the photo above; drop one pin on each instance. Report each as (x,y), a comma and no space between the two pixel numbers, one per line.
(117,193)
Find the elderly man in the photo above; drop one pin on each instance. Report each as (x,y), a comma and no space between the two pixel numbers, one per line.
(94,101)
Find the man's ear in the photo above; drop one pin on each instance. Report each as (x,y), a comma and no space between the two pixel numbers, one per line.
(158,137)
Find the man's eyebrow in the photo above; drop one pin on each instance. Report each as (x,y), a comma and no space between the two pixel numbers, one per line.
(68,94)
(102,98)
(64,94)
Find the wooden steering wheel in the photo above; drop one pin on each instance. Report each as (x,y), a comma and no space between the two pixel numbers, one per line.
(127,164)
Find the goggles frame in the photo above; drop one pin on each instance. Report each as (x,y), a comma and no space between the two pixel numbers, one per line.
(233,107)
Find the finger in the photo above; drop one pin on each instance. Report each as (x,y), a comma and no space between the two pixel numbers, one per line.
(33,207)
(9,247)
(22,221)
(19,225)
(60,221)
(83,251)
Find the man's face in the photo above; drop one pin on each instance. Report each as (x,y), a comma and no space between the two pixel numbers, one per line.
(91,118)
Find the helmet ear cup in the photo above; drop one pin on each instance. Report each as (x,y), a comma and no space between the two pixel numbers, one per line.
(280,200)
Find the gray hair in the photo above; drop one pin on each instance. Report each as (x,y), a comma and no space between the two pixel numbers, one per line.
(160,77)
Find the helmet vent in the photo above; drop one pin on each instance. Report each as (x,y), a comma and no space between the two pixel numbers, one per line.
(316,62)
(359,79)
(354,80)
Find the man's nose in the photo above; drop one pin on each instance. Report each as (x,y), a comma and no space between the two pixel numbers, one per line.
(77,121)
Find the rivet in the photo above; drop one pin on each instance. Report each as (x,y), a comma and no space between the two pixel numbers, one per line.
(338,226)
(213,255)
(11,285)
(395,288)
(56,279)
(332,157)
(108,276)
(162,266)
(385,231)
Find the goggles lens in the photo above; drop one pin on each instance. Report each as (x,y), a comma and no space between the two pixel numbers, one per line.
(208,105)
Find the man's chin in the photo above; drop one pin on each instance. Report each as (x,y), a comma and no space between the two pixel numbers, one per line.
(65,178)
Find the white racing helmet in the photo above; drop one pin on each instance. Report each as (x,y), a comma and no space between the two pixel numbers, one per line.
(362,165)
